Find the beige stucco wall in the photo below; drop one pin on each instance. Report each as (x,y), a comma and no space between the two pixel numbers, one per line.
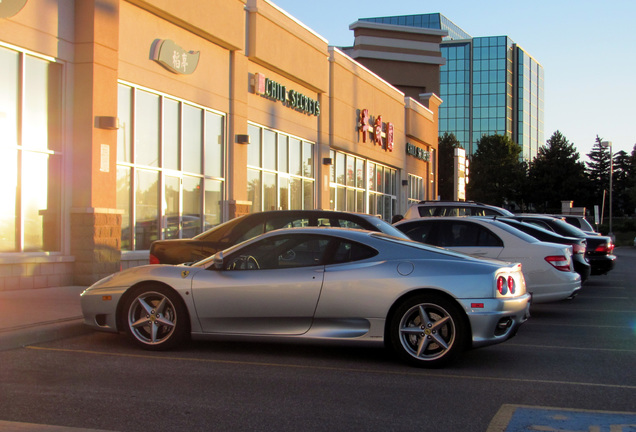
(207,86)
(279,42)
(219,21)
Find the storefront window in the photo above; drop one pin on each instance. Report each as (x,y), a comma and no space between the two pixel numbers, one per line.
(254,188)
(214,144)
(170,180)
(30,153)
(213,198)
(124,133)
(146,208)
(192,139)
(348,191)
(147,118)
(294,157)
(171,134)
(124,175)
(280,171)
(254,153)
(192,199)
(172,194)
(416,189)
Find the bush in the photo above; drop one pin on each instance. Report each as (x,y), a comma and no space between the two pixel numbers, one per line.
(624,230)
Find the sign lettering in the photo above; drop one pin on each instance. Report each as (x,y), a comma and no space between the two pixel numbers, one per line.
(291,98)
(174,58)
(418,152)
(383,138)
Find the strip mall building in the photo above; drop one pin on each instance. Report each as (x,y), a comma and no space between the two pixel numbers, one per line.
(127,121)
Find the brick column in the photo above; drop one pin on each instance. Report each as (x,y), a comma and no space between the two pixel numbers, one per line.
(95,223)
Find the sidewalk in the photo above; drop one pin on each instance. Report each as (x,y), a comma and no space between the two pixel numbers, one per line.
(40,315)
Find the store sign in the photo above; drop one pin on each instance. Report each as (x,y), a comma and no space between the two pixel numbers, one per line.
(8,8)
(271,89)
(174,58)
(417,152)
(382,132)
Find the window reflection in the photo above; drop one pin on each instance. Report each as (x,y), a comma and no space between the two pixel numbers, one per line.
(30,161)
(147,129)
(191,141)
(192,199)
(288,182)
(172,220)
(146,208)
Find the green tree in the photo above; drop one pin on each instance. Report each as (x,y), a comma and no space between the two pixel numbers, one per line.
(447,145)
(622,184)
(631,190)
(497,175)
(598,168)
(556,174)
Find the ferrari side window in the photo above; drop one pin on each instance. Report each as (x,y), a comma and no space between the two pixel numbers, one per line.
(351,251)
(280,252)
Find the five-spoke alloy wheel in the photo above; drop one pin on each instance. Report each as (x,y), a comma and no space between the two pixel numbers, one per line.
(427,331)
(155,318)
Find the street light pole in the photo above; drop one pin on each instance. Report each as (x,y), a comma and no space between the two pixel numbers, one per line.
(607,144)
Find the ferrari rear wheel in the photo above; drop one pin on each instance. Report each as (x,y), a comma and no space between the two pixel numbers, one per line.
(427,331)
(156,318)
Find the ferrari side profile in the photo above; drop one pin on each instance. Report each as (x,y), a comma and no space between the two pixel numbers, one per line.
(427,304)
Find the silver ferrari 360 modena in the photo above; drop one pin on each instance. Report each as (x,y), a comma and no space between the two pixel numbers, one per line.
(427,304)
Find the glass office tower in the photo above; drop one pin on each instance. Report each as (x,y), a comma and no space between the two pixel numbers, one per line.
(489,85)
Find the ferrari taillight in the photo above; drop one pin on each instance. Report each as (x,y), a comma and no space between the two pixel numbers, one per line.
(501,285)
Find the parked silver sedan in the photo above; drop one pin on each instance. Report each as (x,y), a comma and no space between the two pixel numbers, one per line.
(426,303)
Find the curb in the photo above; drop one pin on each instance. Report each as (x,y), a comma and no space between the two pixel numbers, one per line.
(18,337)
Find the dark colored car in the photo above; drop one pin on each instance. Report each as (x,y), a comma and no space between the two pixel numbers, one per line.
(578,221)
(178,251)
(579,245)
(599,248)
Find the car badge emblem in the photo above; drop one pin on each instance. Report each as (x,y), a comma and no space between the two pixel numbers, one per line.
(185,273)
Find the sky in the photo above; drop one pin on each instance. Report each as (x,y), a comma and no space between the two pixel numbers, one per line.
(587,50)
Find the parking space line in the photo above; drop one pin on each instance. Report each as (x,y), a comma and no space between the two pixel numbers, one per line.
(418,373)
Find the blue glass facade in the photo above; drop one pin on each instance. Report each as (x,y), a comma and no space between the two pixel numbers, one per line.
(489,85)
(492,72)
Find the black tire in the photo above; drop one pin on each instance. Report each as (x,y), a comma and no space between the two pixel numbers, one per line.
(427,331)
(155,318)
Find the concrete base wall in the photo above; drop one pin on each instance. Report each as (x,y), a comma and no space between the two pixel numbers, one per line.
(46,273)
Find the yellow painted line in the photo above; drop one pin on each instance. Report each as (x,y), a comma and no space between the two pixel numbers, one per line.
(571,348)
(534,324)
(416,372)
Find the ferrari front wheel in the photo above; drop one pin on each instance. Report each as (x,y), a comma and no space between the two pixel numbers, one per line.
(156,318)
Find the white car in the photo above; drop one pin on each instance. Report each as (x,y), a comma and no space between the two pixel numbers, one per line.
(547,267)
